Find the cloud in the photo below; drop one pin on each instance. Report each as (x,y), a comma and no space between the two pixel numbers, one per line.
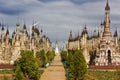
(58,17)
(11,11)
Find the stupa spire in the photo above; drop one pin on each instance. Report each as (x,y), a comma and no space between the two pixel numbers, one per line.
(107,6)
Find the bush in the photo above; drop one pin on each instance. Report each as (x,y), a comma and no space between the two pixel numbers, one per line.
(80,66)
(26,67)
(41,58)
(50,56)
(44,58)
(76,66)
(64,56)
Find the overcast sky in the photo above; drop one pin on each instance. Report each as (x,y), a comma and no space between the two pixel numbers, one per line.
(58,17)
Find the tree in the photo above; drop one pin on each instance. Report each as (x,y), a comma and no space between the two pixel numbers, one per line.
(64,55)
(41,58)
(80,66)
(69,67)
(76,66)
(26,66)
(50,56)
(18,72)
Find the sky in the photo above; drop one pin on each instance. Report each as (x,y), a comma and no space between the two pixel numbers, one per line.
(58,17)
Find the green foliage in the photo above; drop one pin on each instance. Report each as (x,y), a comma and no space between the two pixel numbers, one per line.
(118,73)
(26,66)
(5,78)
(44,58)
(80,66)
(69,67)
(41,58)
(101,75)
(64,55)
(18,72)
(76,66)
(50,55)
(6,72)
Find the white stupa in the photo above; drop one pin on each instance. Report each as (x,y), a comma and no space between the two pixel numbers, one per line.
(56,49)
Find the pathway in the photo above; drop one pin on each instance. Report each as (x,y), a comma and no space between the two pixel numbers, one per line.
(55,71)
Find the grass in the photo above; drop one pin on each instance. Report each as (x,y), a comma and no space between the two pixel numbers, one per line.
(5,78)
(6,71)
(7,74)
(102,75)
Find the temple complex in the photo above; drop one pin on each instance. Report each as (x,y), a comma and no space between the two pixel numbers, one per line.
(10,47)
(108,53)
(100,49)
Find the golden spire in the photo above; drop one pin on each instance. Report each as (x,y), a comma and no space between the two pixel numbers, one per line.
(107,6)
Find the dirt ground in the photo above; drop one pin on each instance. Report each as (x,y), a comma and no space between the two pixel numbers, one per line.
(55,71)
(6,77)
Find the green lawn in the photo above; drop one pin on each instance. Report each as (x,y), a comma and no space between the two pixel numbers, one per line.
(102,75)
(8,74)
(6,71)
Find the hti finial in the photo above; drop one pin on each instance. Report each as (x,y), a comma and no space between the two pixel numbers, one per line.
(107,6)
